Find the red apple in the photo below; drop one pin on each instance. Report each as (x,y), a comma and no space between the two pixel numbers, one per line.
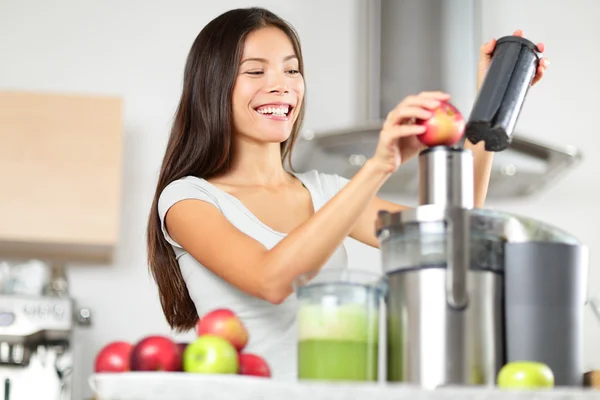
(114,357)
(182,346)
(445,127)
(226,324)
(210,354)
(251,364)
(156,353)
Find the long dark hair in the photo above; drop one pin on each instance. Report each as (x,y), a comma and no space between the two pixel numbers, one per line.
(201,137)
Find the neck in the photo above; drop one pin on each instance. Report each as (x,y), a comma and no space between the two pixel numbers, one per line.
(258,164)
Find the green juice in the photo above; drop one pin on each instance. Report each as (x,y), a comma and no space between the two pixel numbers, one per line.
(338,343)
(337,360)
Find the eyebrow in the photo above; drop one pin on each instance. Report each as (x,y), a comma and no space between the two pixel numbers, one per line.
(264,60)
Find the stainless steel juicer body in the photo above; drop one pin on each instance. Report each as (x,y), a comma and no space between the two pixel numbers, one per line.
(444,317)
(447,269)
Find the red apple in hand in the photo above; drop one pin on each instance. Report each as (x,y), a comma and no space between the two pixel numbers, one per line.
(251,364)
(445,127)
(224,323)
(114,357)
(156,353)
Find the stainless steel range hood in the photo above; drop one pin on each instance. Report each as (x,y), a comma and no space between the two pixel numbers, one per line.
(416,45)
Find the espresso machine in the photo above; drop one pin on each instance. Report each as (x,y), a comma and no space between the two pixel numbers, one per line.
(36,331)
(471,289)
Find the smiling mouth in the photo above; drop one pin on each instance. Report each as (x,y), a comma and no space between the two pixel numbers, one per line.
(278,112)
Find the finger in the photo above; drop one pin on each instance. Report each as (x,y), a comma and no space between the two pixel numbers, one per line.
(428,103)
(544,63)
(487,48)
(541,47)
(398,131)
(518,32)
(435,95)
(414,112)
(540,71)
(409,146)
(426,100)
(539,75)
(412,108)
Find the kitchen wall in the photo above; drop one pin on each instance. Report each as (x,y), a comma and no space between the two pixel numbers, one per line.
(137,49)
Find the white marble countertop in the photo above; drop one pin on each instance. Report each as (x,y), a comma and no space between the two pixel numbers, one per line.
(161,386)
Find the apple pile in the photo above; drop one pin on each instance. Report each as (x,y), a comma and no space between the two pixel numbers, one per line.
(218,349)
(445,127)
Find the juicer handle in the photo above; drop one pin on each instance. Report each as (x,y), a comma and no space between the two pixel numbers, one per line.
(457,243)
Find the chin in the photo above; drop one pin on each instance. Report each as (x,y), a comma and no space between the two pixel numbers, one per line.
(276,137)
(272,132)
(265,131)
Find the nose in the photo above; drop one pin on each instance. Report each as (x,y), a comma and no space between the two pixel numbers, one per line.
(280,89)
(278,84)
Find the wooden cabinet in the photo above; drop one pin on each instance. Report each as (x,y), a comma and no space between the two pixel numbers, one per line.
(60,175)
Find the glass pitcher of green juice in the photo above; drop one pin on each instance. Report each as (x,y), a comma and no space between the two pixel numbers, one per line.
(338,325)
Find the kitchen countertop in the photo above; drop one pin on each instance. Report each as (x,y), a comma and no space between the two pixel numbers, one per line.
(186,388)
(221,391)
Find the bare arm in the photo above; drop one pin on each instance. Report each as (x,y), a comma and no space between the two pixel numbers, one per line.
(364,230)
(209,237)
(268,274)
(482,168)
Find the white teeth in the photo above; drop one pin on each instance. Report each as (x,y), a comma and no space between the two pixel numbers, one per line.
(280,111)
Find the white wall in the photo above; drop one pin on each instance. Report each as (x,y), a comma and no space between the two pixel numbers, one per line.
(561,110)
(137,49)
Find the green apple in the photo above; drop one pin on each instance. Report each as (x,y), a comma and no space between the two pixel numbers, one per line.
(525,375)
(210,354)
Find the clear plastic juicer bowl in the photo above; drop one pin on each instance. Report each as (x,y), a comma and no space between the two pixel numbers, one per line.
(338,325)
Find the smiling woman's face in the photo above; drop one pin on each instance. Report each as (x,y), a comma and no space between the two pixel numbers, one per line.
(269,88)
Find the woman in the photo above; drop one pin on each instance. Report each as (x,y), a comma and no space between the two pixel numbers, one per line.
(229,226)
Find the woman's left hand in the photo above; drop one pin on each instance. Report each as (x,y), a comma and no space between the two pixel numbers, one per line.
(485,58)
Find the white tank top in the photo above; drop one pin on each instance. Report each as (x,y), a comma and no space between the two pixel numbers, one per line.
(272,328)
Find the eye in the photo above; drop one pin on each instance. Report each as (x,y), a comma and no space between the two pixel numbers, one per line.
(293,72)
(255,73)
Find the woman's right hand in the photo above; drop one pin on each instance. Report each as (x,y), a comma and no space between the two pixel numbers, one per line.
(398,140)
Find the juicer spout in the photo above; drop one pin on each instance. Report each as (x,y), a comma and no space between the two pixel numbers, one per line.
(446,179)
(457,250)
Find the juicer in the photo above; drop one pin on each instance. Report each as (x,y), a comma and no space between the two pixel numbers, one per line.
(470,289)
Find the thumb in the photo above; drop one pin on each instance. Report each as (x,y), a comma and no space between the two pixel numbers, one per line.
(487,49)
